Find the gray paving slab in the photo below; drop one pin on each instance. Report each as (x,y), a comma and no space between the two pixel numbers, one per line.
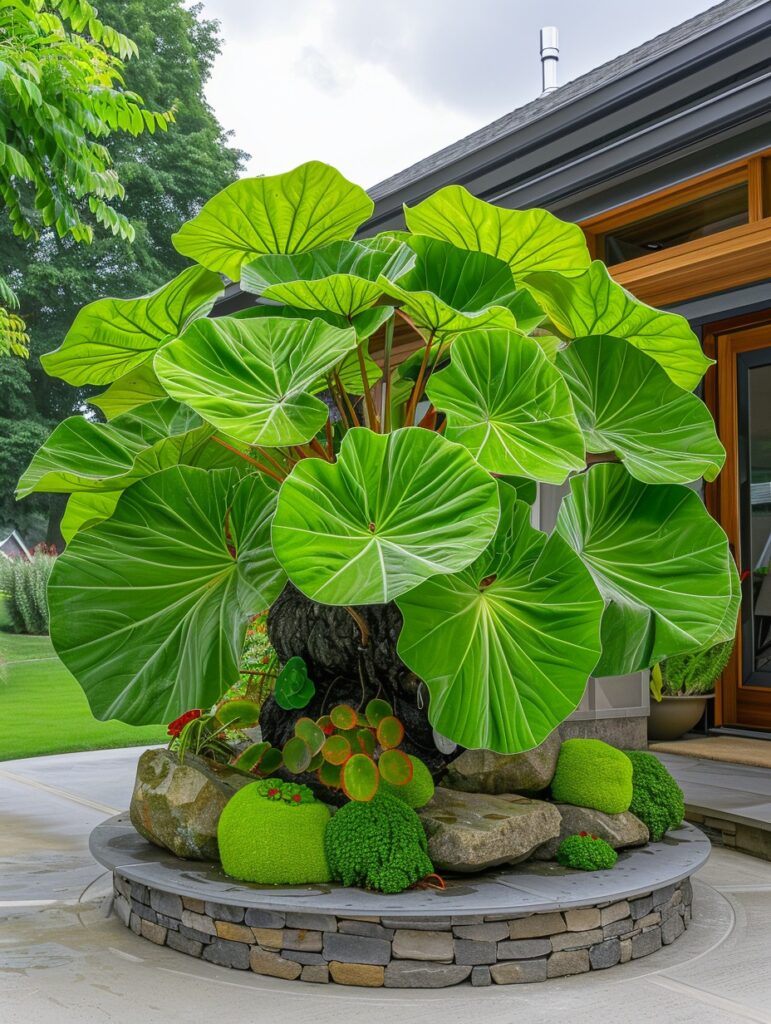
(737,792)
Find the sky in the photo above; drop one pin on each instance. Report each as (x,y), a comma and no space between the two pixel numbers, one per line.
(373,87)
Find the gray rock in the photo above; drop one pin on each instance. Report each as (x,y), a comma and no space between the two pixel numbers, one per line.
(301,957)
(315,973)
(264,919)
(605,954)
(620,830)
(471,952)
(178,806)
(646,942)
(483,932)
(517,973)
(184,945)
(166,903)
(480,977)
(356,949)
(483,771)
(423,945)
(523,949)
(227,954)
(469,832)
(415,974)
(224,912)
(574,961)
(672,928)
(368,928)
(641,907)
(313,922)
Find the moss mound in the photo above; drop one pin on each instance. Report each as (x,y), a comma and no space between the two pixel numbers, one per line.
(657,799)
(586,853)
(272,832)
(591,773)
(378,845)
(418,790)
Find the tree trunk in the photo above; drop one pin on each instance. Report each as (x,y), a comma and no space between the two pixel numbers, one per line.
(347,668)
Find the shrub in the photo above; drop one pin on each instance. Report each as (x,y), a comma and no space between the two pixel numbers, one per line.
(591,773)
(586,853)
(418,791)
(657,800)
(379,845)
(25,585)
(694,673)
(272,832)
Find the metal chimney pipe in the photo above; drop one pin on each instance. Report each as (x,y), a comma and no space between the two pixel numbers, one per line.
(550,55)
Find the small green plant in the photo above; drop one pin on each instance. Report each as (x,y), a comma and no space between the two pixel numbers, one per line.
(213,734)
(378,845)
(586,852)
(294,689)
(690,674)
(416,793)
(25,585)
(657,800)
(594,774)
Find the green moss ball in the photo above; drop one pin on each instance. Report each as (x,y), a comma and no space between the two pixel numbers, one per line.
(657,799)
(377,845)
(586,852)
(272,841)
(418,790)
(591,773)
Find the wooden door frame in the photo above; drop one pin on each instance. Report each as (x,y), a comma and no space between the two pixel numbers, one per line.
(724,341)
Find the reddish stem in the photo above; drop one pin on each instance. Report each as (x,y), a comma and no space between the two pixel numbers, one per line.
(248,458)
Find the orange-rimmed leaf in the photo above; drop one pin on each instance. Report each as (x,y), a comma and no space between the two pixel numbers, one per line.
(310,732)
(330,775)
(251,757)
(270,761)
(297,755)
(377,710)
(360,778)
(343,717)
(336,749)
(366,740)
(395,767)
(390,732)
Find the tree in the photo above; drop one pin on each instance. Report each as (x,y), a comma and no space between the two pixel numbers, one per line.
(418,538)
(167,176)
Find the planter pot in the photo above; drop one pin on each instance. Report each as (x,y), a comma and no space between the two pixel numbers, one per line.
(672,717)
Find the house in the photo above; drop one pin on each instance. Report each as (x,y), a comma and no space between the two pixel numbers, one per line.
(663,155)
(14,547)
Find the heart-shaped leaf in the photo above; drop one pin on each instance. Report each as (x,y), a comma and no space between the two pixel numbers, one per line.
(138,387)
(300,210)
(86,510)
(506,646)
(660,561)
(509,406)
(111,337)
(593,304)
(527,240)
(360,778)
(149,608)
(253,378)
(450,290)
(393,510)
(341,278)
(626,403)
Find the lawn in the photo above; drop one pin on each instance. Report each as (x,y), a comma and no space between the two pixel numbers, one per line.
(44,711)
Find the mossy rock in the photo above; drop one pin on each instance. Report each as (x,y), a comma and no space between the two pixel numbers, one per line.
(591,773)
(418,791)
(273,841)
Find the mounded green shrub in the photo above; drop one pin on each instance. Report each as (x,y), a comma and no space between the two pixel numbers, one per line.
(378,845)
(25,585)
(418,791)
(586,853)
(657,799)
(591,773)
(273,832)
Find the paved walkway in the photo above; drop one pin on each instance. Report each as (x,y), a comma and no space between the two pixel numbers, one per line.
(62,962)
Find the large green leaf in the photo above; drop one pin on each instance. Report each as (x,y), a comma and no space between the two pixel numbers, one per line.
(81,455)
(85,509)
(302,209)
(626,403)
(527,240)
(594,304)
(660,561)
(506,646)
(393,510)
(111,337)
(340,278)
(509,406)
(253,378)
(450,290)
(365,324)
(137,387)
(148,609)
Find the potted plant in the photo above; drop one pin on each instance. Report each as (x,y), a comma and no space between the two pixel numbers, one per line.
(681,686)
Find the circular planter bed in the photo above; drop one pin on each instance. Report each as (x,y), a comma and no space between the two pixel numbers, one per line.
(528,923)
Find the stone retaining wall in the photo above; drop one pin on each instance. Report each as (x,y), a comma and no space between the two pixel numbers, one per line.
(399,952)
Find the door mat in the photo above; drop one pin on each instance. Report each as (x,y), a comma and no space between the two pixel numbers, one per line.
(734,749)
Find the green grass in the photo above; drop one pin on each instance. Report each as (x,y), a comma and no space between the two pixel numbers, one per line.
(44,711)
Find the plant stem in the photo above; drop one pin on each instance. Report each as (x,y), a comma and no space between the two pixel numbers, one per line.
(330,440)
(344,395)
(317,448)
(363,628)
(372,417)
(248,458)
(266,455)
(418,387)
(386,407)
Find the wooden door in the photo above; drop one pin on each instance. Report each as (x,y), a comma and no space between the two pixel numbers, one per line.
(738,391)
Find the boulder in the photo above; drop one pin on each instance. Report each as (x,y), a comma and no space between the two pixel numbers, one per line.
(178,806)
(619,830)
(482,771)
(471,831)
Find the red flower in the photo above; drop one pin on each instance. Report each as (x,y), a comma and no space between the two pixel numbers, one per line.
(176,727)
(273,792)
(296,798)
(328,729)
(583,834)
(595,837)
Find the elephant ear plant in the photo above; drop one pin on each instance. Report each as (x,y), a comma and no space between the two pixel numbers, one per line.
(292,443)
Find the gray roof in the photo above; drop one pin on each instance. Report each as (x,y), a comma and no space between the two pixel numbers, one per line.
(568,93)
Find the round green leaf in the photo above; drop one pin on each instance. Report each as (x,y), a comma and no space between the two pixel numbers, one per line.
(393,510)
(506,646)
(253,378)
(395,767)
(450,290)
(302,209)
(366,741)
(252,756)
(593,304)
(660,561)
(111,337)
(148,609)
(509,406)
(309,731)
(330,775)
(336,749)
(293,689)
(377,710)
(360,778)
(340,278)
(390,732)
(297,755)
(527,240)
(270,762)
(344,717)
(238,714)
(626,403)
